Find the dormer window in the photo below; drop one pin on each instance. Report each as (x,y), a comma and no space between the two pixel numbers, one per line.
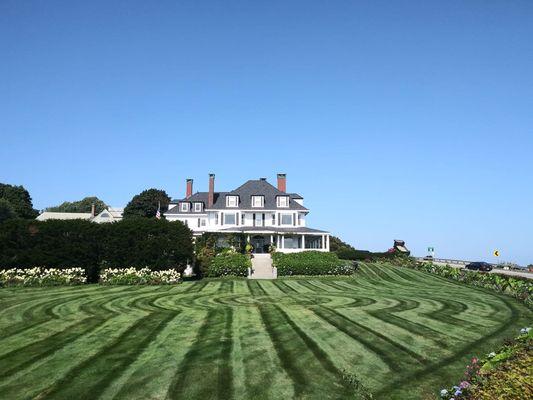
(232,201)
(184,207)
(258,201)
(197,207)
(283,201)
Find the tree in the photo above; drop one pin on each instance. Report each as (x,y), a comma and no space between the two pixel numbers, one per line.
(20,199)
(81,206)
(6,210)
(145,204)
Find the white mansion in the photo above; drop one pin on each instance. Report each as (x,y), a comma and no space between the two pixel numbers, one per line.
(265,214)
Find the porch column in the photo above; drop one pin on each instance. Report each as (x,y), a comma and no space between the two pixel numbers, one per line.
(271,239)
(303,241)
(282,241)
(327,242)
(324,242)
(248,238)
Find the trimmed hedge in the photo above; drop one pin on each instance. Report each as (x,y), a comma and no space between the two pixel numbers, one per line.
(311,263)
(156,244)
(229,264)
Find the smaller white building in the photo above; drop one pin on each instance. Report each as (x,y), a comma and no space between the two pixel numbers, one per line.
(110,214)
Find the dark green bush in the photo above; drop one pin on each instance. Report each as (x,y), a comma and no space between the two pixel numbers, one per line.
(311,263)
(229,263)
(156,244)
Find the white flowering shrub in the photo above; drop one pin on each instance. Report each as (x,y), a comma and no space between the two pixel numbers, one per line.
(134,276)
(40,276)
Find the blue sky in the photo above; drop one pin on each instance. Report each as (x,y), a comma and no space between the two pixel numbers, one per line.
(404,119)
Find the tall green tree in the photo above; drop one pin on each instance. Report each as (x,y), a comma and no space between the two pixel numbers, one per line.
(20,199)
(6,210)
(81,206)
(145,204)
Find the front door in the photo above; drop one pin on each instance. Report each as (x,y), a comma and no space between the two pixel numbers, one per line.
(259,243)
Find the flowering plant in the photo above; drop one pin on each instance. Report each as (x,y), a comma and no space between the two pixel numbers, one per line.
(142,276)
(40,276)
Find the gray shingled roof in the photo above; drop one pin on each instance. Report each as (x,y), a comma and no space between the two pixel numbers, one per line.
(245,193)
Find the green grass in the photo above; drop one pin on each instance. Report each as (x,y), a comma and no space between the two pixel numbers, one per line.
(402,333)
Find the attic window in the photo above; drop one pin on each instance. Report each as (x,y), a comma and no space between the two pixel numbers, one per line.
(232,201)
(184,207)
(258,201)
(198,207)
(283,201)
(104,215)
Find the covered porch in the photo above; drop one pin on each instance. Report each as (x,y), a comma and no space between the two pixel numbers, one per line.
(286,240)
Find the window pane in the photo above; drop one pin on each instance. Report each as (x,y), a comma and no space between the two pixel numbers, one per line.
(286,219)
(229,219)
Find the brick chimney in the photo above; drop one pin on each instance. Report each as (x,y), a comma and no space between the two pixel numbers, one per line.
(282,182)
(211,194)
(93,210)
(188,191)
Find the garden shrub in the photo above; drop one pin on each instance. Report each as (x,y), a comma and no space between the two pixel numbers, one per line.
(142,276)
(311,263)
(42,277)
(504,374)
(229,263)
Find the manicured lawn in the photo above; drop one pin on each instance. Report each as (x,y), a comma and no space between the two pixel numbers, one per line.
(401,333)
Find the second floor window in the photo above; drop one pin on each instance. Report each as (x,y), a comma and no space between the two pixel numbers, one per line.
(242,219)
(184,207)
(232,201)
(230,219)
(257,201)
(286,219)
(198,207)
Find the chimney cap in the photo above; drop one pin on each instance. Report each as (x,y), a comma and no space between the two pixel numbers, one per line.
(282,175)
(211,175)
(263,179)
(189,179)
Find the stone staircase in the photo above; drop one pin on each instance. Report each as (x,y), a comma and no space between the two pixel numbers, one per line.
(262,267)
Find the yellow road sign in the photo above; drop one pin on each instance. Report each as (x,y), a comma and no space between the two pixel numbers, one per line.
(496,253)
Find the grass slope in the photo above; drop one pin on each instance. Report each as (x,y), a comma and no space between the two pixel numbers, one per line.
(402,333)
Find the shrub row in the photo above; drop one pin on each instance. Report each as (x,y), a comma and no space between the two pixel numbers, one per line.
(311,263)
(42,277)
(229,263)
(156,244)
(520,288)
(143,276)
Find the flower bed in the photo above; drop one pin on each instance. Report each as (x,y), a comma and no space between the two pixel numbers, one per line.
(311,263)
(519,288)
(39,276)
(142,276)
(506,374)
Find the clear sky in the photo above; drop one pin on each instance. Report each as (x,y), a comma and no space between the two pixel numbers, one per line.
(394,119)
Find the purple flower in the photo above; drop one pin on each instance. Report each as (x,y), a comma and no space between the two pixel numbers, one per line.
(464,384)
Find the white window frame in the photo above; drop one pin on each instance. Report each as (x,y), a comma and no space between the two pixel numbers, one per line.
(231,199)
(184,207)
(279,202)
(197,207)
(261,201)
(285,215)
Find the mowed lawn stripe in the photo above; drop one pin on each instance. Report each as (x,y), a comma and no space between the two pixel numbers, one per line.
(155,367)
(257,371)
(313,373)
(208,361)
(91,377)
